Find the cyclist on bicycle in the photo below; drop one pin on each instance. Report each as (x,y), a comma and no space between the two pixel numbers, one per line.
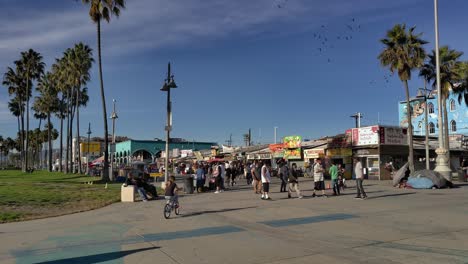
(171,191)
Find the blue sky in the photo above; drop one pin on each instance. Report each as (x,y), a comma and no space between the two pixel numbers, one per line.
(238,64)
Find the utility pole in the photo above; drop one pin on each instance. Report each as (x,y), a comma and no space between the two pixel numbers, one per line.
(113,117)
(275,128)
(229,142)
(357,116)
(87,154)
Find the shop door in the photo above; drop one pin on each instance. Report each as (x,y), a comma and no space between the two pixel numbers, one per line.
(373,168)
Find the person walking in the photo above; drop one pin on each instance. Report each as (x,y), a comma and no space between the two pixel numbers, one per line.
(256,175)
(334,178)
(319,182)
(266,179)
(294,181)
(200,178)
(217,171)
(358,172)
(283,174)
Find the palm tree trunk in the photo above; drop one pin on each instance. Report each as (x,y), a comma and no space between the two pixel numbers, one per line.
(410,129)
(49,142)
(61,138)
(78,129)
(105,172)
(37,157)
(68,134)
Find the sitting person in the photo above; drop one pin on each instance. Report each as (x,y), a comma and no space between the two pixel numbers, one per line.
(171,191)
(138,183)
(402,183)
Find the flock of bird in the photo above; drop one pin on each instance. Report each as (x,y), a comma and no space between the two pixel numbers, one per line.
(325,40)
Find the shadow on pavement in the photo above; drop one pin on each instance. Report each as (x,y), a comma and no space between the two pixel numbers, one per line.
(98,258)
(390,195)
(216,211)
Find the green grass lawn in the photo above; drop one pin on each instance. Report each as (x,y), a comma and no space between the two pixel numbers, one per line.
(41,194)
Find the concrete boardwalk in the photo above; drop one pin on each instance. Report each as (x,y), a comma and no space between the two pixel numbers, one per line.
(392,226)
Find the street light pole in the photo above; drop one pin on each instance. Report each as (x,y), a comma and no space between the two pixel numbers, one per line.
(442,163)
(275,133)
(426,122)
(87,153)
(113,117)
(167,86)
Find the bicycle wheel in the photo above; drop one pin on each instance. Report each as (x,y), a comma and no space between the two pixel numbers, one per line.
(167,211)
(176,209)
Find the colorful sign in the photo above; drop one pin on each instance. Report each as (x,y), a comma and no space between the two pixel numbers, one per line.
(366,136)
(292,153)
(93,147)
(277,150)
(198,155)
(186,153)
(292,142)
(313,153)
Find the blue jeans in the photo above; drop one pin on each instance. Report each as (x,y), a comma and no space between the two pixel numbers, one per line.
(336,188)
(172,199)
(142,193)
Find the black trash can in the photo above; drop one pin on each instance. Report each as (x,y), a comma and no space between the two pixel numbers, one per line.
(188,185)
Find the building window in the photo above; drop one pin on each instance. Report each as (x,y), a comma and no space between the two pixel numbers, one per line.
(453,126)
(452,105)
(430,107)
(431,128)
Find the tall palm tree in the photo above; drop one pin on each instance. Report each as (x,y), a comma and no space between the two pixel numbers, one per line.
(449,77)
(31,69)
(99,10)
(80,60)
(462,87)
(403,52)
(15,84)
(47,102)
(16,109)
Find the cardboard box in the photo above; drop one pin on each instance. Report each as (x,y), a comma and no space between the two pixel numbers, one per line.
(128,193)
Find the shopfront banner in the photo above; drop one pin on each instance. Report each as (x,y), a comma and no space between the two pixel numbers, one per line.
(393,136)
(277,150)
(292,153)
(339,152)
(313,153)
(292,142)
(366,136)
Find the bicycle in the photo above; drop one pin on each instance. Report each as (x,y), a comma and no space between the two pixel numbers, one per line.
(171,205)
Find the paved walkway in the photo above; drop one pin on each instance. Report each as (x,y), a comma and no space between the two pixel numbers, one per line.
(392,226)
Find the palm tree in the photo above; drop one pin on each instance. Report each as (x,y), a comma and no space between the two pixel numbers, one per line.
(47,102)
(80,60)
(15,109)
(462,87)
(31,69)
(99,10)
(403,52)
(15,84)
(449,76)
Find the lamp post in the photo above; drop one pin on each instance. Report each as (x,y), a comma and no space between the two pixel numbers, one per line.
(426,123)
(442,162)
(275,133)
(113,117)
(167,86)
(87,153)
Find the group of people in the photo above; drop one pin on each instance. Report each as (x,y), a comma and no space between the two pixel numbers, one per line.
(259,174)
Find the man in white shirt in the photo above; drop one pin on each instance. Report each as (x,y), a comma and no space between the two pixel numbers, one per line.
(319,182)
(358,172)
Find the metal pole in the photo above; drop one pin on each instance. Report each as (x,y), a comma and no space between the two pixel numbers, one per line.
(113,116)
(442,161)
(168,127)
(426,123)
(275,133)
(87,154)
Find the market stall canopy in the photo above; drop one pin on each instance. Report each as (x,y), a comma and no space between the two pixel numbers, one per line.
(216,160)
(97,161)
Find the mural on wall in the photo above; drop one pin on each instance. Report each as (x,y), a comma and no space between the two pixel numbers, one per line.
(458,114)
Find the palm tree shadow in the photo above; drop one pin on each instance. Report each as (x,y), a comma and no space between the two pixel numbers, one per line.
(98,258)
(216,211)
